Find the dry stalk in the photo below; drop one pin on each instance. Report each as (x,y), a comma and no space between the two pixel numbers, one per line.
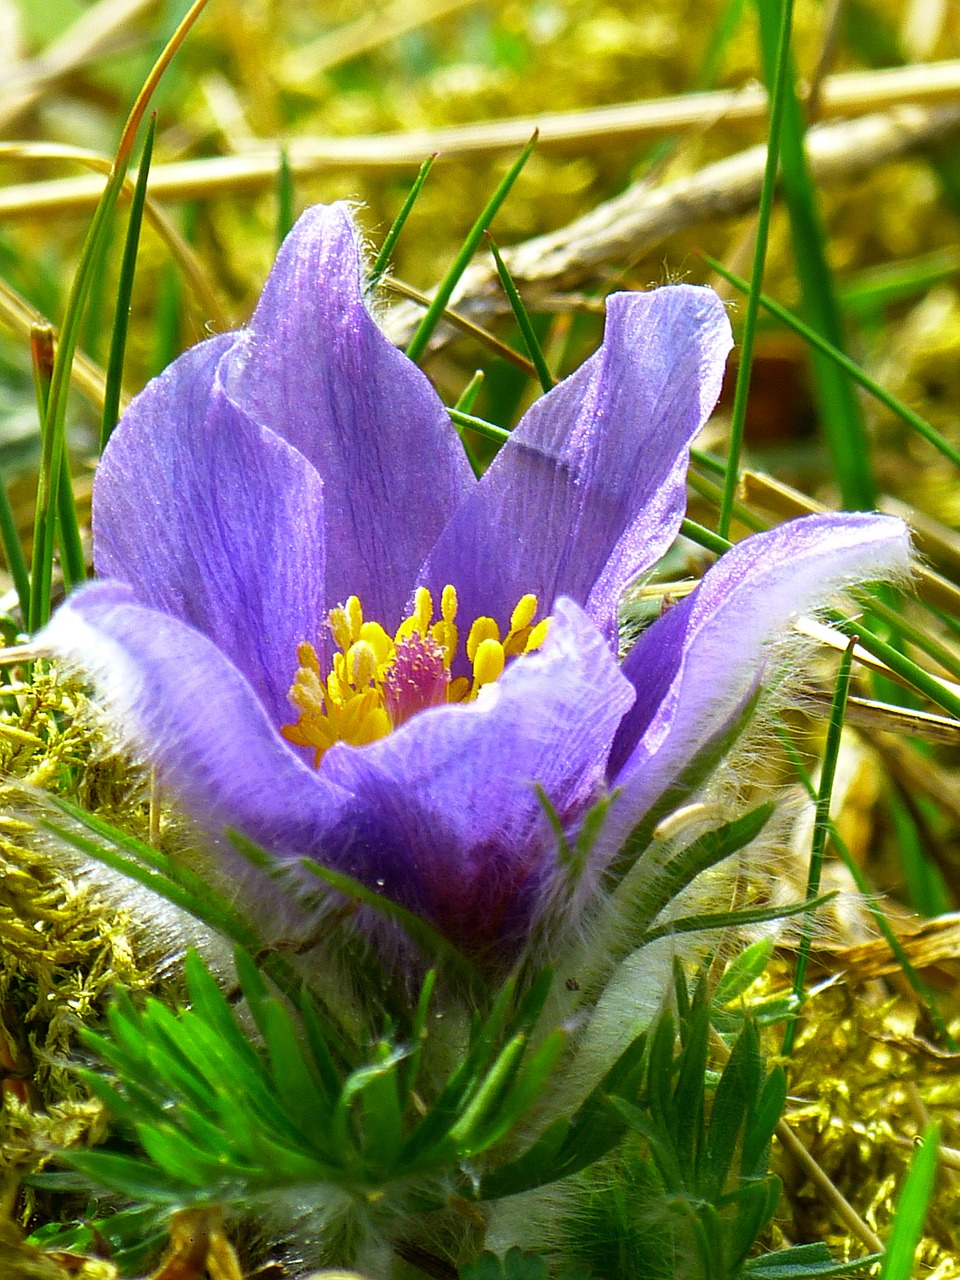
(99,30)
(850,94)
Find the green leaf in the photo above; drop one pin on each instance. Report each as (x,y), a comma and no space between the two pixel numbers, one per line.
(135,1179)
(418,343)
(663,877)
(804,1262)
(912,1204)
(121,315)
(777,83)
(393,235)
(734,1100)
(743,971)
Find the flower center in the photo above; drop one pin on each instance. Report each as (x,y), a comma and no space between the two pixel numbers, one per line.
(378,682)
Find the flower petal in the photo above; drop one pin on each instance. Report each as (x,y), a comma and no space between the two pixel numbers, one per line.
(445,816)
(315,367)
(696,667)
(215,521)
(589,490)
(196,717)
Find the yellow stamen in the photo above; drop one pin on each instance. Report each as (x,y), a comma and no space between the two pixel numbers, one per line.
(356,699)
(488,663)
(482,629)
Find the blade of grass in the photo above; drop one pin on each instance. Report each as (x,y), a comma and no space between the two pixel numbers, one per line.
(128,267)
(489,431)
(870,899)
(393,235)
(839,408)
(48,482)
(816,340)
(285,196)
(42,352)
(13,552)
(534,350)
(418,343)
(821,826)
(912,1203)
(742,391)
(464,405)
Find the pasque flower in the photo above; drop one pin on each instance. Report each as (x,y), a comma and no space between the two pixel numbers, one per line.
(328,635)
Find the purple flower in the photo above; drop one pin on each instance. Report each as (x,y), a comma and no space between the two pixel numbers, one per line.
(308,600)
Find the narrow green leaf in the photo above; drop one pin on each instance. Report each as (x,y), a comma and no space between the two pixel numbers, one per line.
(740,919)
(911,1211)
(777,85)
(821,827)
(466,1134)
(733,1102)
(534,350)
(743,971)
(393,235)
(761,1123)
(849,367)
(52,440)
(135,1179)
(285,196)
(665,873)
(840,410)
(499,435)
(128,267)
(418,343)
(804,1262)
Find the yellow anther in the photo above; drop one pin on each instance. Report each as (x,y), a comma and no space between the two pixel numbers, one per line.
(446,634)
(524,612)
(422,609)
(482,629)
(378,640)
(307,657)
(354,617)
(339,627)
(537,635)
(488,662)
(376,681)
(361,664)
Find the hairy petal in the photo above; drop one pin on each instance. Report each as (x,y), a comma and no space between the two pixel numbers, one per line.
(446,817)
(215,521)
(696,667)
(589,490)
(315,367)
(195,716)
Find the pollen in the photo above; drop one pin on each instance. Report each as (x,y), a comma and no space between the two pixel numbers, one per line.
(377,682)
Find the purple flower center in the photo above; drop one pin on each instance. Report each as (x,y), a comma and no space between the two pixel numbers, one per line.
(378,681)
(417,679)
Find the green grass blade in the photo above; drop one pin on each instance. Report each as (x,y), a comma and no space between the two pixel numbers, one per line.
(912,1205)
(52,445)
(870,900)
(821,827)
(840,410)
(534,350)
(128,267)
(285,196)
(489,431)
(816,340)
(393,235)
(748,337)
(418,343)
(42,352)
(13,552)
